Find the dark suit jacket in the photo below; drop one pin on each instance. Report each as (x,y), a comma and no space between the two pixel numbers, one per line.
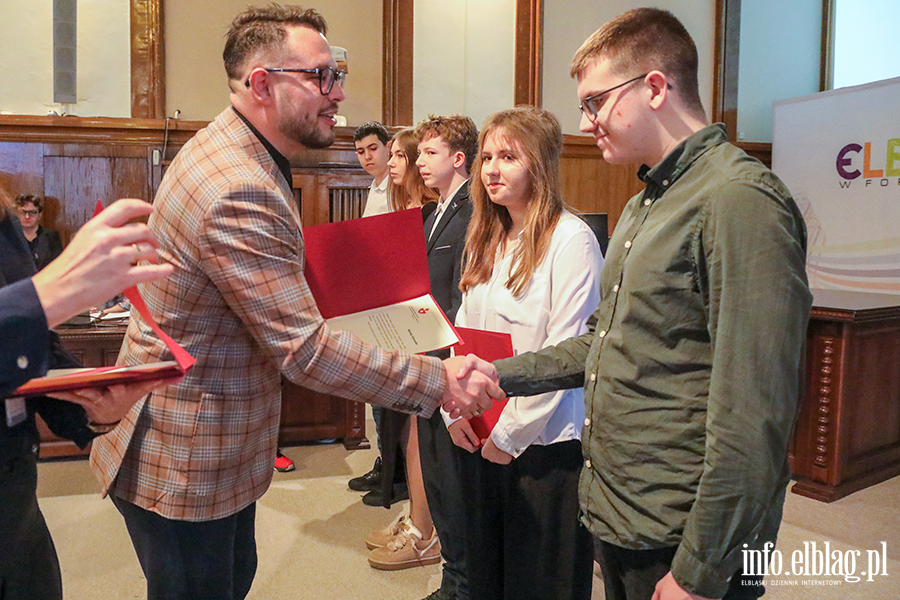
(45,247)
(445,252)
(24,333)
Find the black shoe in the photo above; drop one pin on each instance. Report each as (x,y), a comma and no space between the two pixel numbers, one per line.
(375,498)
(369,481)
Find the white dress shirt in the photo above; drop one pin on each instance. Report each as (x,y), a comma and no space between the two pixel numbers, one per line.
(377,202)
(564,291)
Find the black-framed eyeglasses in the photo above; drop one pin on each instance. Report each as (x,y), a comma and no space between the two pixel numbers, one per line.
(327,77)
(29,213)
(591,105)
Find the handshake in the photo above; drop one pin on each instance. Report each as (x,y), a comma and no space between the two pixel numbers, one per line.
(472,386)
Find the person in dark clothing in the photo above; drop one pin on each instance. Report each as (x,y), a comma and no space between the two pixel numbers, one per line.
(44,243)
(28,564)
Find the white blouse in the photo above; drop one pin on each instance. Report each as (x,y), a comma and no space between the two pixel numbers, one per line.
(563,292)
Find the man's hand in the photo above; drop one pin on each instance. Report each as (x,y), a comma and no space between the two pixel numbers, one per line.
(107,255)
(668,589)
(463,435)
(491,452)
(469,363)
(472,386)
(108,405)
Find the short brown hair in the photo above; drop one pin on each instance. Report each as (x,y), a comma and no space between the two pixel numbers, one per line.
(644,40)
(263,29)
(457,131)
(23,199)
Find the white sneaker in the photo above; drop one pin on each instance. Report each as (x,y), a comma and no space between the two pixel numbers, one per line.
(380,538)
(407,550)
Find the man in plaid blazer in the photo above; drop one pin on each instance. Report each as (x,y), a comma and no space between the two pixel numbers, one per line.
(187,464)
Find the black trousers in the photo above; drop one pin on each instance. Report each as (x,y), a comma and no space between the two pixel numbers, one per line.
(443,489)
(633,574)
(182,560)
(29,568)
(524,539)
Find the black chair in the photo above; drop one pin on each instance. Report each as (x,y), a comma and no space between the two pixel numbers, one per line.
(599,224)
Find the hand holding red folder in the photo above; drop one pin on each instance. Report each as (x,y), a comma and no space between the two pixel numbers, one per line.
(77,379)
(489,346)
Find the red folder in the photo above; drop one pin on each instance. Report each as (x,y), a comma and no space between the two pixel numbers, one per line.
(490,346)
(361,264)
(369,264)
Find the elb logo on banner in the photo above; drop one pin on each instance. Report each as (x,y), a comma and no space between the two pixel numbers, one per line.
(839,154)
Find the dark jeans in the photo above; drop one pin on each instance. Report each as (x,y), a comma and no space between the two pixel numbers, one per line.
(633,574)
(524,540)
(440,471)
(182,560)
(378,416)
(29,569)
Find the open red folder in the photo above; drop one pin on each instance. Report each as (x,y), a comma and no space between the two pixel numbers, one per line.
(490,346)
(59,380)
(370,277)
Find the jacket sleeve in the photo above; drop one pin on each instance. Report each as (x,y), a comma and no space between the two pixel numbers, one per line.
(253,251)
(554,368)
(23,329)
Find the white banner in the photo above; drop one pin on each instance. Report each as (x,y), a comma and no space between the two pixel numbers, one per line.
(839,154)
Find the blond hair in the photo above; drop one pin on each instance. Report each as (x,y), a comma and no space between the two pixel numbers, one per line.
(536,134)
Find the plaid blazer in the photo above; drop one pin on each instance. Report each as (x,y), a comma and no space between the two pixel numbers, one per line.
(239,303)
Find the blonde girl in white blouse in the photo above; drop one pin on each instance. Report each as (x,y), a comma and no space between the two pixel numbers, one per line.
(532,271)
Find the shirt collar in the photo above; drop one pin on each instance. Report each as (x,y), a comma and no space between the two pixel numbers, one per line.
(453,193)
(678,160)
(283,164)
(381,187)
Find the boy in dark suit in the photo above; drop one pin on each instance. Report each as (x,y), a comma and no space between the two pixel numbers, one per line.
(446,152)
(447,148)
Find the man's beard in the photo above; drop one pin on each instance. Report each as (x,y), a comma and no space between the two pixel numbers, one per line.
(306,131)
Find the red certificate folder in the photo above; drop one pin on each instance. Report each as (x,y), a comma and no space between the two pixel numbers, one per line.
(490,346)
(370,277)
(62,380)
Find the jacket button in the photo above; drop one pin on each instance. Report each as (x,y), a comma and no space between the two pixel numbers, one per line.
(22,362)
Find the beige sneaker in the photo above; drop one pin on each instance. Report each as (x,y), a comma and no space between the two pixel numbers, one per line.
(406,550)
(380,538)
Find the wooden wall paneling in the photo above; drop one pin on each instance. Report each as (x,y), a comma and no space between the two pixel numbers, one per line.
(76,177)
(590,184)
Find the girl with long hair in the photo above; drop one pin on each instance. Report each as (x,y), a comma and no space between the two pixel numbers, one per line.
(390,546)
(533,271)
(407,189)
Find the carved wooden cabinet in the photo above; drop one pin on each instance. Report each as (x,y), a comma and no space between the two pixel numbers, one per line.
(848,432)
